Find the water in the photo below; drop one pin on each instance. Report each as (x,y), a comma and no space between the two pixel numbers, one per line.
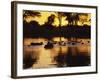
(59,56)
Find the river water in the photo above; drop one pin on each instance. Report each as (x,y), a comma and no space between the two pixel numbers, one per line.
(59,56)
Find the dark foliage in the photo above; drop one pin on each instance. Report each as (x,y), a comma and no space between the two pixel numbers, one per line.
(33,29)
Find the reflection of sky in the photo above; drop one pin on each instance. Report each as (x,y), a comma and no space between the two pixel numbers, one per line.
(45,57)
(44,15)
(85,47)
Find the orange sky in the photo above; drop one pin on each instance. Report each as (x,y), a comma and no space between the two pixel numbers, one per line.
(44,15)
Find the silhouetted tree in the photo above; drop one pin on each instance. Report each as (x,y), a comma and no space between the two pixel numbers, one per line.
(31,29)
(59,16)
(48,27)
(27,13)
(76,18)
(72,18)
(50,19)
(30,13)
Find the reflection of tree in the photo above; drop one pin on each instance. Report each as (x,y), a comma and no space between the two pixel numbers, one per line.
(72,58)
(76,58)
(28,60)
(60,58)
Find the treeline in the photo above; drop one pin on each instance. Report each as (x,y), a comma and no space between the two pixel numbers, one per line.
(34,30)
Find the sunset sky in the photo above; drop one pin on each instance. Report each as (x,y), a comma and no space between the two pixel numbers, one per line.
(44,16)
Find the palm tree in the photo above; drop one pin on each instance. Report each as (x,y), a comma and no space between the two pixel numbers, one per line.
(72,18)
(60,15)
(75,18)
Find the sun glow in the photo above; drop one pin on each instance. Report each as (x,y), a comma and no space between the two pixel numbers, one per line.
(83,20)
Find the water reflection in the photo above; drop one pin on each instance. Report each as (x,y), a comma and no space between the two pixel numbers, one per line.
(36,56)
